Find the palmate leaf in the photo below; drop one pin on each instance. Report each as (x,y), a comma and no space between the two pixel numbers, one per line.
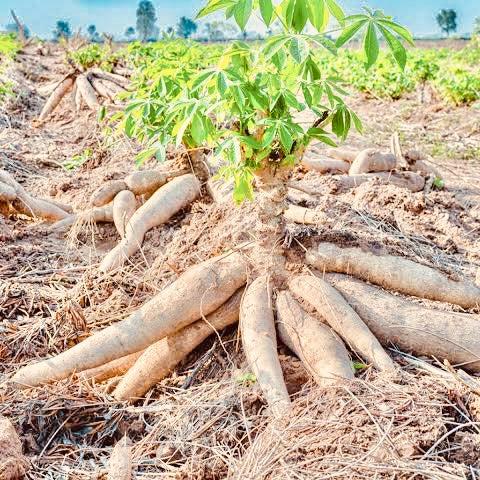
(376,22)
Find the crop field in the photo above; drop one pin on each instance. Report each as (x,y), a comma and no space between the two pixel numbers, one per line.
(241,259)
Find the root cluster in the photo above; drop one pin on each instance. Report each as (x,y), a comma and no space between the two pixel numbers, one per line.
(90,88)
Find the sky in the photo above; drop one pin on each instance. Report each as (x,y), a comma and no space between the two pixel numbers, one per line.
(114,16)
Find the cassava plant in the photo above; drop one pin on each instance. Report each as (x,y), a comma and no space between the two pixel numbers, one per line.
(242,109)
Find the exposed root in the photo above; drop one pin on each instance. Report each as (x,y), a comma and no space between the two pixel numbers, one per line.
(259,342)
(7,193)
(321,351)
(342,318)
(56,97)
(115,368)
(106,193)
(343,153)
(198,292)
(413,328)
(158,209)
(94,215)
(24,203)
(372,160)
(158,360)
(124,206)
(13,464)
(120,462)
(87,91)
(325,165)
(395,273)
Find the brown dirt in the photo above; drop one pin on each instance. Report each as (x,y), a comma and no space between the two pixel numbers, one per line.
(206,420)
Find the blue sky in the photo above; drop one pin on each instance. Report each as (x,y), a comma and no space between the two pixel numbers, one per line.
(115,15)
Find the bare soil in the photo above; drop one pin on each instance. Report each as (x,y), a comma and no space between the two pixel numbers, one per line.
(207,420)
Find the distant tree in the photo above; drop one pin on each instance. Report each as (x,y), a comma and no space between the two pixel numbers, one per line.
(13,28)
(146,19)
(476,27)
(130,33)
(447,20)
(218,31)
(93,34)
(186,27)
(62,30)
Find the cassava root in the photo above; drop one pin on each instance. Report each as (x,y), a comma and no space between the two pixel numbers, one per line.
(158,209)
(335,310)
(160,358)
(259,342)
(413,328)
(124,206)
(394,273)
(25,204)
(320,350)
(198,292)
(371,160)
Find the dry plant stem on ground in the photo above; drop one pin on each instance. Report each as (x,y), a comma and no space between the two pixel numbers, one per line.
(120,462)
(412,327)
(335,310)
(322,353)
(158,360)
(158,209)
(259,342)
(198,292)
(13,464)
(371,160)
(394,273)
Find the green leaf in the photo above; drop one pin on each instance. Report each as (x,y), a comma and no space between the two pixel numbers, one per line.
(285,10)
(336,11)
(318,14)
(370,45)
(300,15)
(266,10)
(338,124)
(145,155)
(398,50)
(349,32)
(129,126)
(242,13)
(102,113)
(243,188)
(274,45)
(285,138)
(357,122)
(213,6)
(197,130)
(299,49)
(402,31)
(222,83)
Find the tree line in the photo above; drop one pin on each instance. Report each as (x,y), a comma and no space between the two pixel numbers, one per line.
(146,28)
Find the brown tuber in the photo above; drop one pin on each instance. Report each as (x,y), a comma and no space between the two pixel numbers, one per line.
(372,160)
(322,353)
(394,273)
(199,291)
